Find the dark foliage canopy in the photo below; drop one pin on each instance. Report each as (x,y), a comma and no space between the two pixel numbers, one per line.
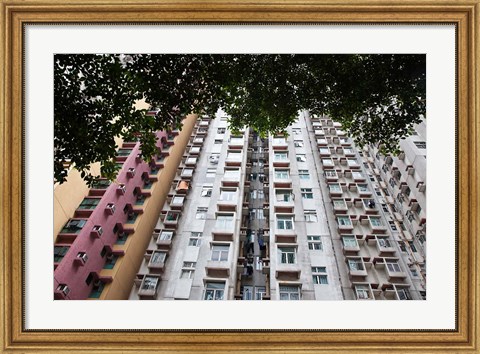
(377,98)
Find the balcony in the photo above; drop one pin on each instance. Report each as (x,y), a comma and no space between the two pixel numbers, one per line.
(163,238)
(171,218)
(197,141)
(187,173)
(279,143)
(233,158)
(182,187)
(149,286)
(191,161)
(156,260)
(217,269)
(356,267)
(194,150)
(394,272)
(350,244)
(369,206)
(177,202)
(376,225)
(236,142)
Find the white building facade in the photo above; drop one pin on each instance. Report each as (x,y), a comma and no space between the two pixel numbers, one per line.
(301,216)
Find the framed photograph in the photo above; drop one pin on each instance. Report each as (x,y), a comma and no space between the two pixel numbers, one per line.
(443,313)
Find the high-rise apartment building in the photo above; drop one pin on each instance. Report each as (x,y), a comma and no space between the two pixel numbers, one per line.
(305,216)
(222,215)
(101,233)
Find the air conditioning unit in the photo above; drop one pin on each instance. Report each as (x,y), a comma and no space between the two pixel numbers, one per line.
(121,189)
(63,289)
(110,208)
(82,258)
(131,172)
(97,231)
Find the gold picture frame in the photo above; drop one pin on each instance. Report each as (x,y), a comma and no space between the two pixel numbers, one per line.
(464,14)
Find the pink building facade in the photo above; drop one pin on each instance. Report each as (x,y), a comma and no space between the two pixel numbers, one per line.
(92,239)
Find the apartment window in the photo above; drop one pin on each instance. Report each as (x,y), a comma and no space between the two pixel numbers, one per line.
(420,144)
(298,143)
(236,140)
(247,292)
(362,187)
(282,174)
(289,292)
(362,291)
(311,216)
(111,260)
(214,291)
(59,252)
(339,203)
(232,174)
(218,141)
(301,158)
(412,246)
(303,174)
(334,188)
(393,266)
(211,172)
(284,222)
(307,193)
(122,238)
(279,140)
(221,131)
(348,150)
(330,173)
(224,221)
(101,184)
(403,294)
(234,156)
(355,264)
(385,208)
(315,243)
(392,182)
(296,131)
(227,194)
(195,239)
(418,210)
(188,270)
(207,190)
(349,241)
(158,257)
(165,235)
(413,271)
(287,255)
(344,221)
(260,292)
(89,203)
(280,156)
(357,175)
(383,242)
(319,275)
(283,195)
(150,283)
(220,253)
(73,226)
(402,247)
(201,213)
(375,221)
(213,159)
(124,152)
(392,225)
(324,151)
